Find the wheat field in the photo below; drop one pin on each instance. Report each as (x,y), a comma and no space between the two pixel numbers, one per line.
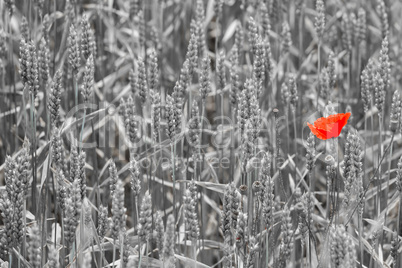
(200,133)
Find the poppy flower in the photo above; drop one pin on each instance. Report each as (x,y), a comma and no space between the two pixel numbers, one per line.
(329,127)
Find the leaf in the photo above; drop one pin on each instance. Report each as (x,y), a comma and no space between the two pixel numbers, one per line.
(216,187)
(369,250)
(44,172)
(29,215)
(378,224)
(230,31)
(71,123)
(190,262)
(20,257)
(145,262)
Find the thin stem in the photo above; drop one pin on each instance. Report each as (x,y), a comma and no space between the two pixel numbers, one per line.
(295,143)
(358,52)
(378,205)
(75,90)
(146,146)
(287,127)
(152,175)
(349,55)
(266,248)
(137,206)
(72,253)
(308,252)
(337,185)
(194,245)
(147,245)
(64,249)
(301,34)
(398,258)
(34,181)
(94,254)
(24,239)
(222,95)
(364,177)
(55,36)
(329,186)
(249,201)
(95,165)
(202,128)
(200,172)
(174,186)
(82,128)
(13,78)
(19,259)
(221,139)
(174,181)
(386,194)
(365,149)
(139,252)
(114,252)
(82,243)
(101,253)
(318,71)
(311,189)
(372,135)
(232,144)
(360,223)
(163,177)
(139,243)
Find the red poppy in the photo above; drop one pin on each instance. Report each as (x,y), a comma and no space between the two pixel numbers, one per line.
(329,127)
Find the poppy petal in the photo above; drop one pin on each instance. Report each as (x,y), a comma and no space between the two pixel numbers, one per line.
(337,127)
(327,122)
(319,133)
(329,127)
